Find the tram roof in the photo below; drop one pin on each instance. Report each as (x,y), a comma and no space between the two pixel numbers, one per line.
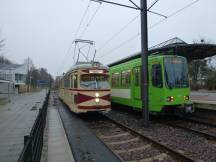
(87,65)
(190,51)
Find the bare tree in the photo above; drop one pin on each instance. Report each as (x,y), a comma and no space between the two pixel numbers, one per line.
(29,67)
(3,60)
(203,72)
(2,43)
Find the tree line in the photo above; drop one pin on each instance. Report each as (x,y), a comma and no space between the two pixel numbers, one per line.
(37,75)
(34,75)
(203,74)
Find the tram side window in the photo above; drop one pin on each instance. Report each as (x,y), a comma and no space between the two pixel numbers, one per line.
(125,78)
(71,81)
(67,82)
(137,76)
(157,76)
(115,79)
(75,81)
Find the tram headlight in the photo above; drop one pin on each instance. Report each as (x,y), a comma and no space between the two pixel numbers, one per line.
(186,98)
(97,94)
(97,100)
(170,99)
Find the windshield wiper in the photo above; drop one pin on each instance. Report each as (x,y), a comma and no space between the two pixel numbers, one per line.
(166,76)
(96,84)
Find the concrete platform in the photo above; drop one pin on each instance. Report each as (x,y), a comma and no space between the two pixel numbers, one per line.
(58,146)
(204,99)
(16,121)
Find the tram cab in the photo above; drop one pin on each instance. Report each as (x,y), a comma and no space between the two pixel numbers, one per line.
(169,84)
(85,87)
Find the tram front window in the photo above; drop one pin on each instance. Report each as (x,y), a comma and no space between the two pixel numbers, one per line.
(94,81)
(176,72)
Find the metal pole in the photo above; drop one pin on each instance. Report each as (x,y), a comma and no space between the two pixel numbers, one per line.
(144,58)
(8,91)
(28,73)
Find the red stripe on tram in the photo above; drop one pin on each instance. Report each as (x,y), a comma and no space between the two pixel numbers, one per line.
(93,107)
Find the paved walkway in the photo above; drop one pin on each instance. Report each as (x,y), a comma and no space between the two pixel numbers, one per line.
(58,146)
(16,121)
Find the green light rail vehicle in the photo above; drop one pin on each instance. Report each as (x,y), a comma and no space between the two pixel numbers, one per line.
(168,79)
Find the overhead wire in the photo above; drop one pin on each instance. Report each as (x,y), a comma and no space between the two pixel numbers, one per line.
(118,32)
(174,13)
(82,19)
(171,15)
(89,22)
(121,44)
(78,29)
(125,26)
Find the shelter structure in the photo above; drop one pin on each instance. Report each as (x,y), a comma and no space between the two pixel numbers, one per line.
(177,46)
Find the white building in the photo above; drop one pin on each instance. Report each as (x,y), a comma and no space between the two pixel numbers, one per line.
(14,74)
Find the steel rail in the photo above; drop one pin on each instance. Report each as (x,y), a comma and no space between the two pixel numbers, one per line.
(199,121)
(172,152)
(107,146)
(206,135)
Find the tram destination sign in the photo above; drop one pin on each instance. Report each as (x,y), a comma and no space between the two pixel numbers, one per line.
(96,71)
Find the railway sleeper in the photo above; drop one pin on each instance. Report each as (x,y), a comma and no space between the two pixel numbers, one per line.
(160,157)
(124,141)
(133,149)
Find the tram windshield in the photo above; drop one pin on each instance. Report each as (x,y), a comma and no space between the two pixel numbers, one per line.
(94,81)
(176,72)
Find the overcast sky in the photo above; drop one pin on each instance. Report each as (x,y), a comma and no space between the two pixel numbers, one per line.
(45,29)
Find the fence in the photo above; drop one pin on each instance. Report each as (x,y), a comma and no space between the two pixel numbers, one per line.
(33,143)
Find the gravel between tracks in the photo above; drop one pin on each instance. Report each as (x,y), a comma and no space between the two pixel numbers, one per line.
(131,147)
(188,143)
(197,126)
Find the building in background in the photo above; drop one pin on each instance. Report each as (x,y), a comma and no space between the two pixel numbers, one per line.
(13,78)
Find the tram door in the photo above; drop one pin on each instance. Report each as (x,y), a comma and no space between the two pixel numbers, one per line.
(72,86)
(155,86)
(136,87)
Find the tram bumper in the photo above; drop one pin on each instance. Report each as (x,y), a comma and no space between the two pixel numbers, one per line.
(188,108)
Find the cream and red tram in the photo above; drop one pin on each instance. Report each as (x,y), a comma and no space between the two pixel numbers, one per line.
(85,87)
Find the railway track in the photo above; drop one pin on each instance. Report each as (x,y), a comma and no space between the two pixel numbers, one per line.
(131,146)
(196,126)
(196,120)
